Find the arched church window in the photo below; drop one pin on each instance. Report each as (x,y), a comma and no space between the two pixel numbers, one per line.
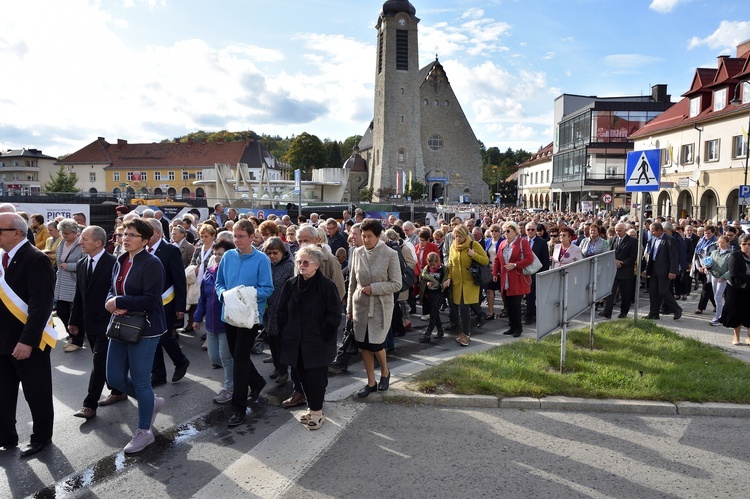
(426,102)
(437,102)
(446,104)
(435,142)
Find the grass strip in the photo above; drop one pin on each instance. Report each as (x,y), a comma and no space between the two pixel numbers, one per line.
(629,361)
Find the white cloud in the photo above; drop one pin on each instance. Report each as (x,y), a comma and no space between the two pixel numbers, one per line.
(628,63)
(728,35)
(473,13)
(665,6)
(548,56)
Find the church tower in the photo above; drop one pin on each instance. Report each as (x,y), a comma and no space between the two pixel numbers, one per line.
(396,142)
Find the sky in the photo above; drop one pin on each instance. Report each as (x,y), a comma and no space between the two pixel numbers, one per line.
(148,70)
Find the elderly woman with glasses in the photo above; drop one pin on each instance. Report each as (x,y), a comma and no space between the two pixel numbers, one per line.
(736,313)
(138,280)
(514,255)
(492,245)
(309,313)
(68,253)
(565,251)
(282,268)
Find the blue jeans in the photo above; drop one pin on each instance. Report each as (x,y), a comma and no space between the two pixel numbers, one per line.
(218,352)
(138,359)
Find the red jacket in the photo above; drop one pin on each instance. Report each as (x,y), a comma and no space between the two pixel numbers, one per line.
(518,284)
(422,253)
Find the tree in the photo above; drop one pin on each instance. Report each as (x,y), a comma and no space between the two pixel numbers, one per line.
(62,181)
(333,150)
(306,152)
(365,195)
(348,145)
(416,190)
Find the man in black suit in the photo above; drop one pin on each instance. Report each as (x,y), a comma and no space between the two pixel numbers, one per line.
(626,254)
(159,215)
(174,310)
(662,268)
(23,358)
(88,315)
(541,250)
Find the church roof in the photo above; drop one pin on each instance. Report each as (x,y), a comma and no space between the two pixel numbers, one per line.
(365,142)
(432,69)
(356,163)
(393,7)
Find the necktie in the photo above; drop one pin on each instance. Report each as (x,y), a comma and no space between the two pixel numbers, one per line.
(5,261)
(151,249)
(619,242)
(91,269)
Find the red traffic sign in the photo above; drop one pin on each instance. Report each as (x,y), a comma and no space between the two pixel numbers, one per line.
(606,198)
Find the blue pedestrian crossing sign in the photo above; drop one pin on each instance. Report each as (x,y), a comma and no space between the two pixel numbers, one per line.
(643,169)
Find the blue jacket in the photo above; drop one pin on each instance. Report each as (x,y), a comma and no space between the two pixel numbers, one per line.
(209,305)
(252,269)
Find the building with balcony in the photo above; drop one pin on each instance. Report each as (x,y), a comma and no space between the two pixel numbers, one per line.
(592,140)
(703,143)
(535,180)
(24,171)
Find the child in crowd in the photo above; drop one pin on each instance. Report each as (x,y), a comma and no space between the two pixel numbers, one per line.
(431,288)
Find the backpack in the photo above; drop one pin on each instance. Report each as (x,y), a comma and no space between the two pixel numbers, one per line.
(408,278)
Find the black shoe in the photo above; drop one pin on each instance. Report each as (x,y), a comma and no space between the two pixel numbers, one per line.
(9,445)
(529,320)
(338,367)
(606,316)
(158,381)
(237,419)
(451,327)
(678,314)
(517,333)
(439,334)
(180,371)
(508,332)
(274,375)
(622,316)
(384,382)
(480,321)
(255,392)
(216,366)
(34,447)
(367,390)
(425,338)
(652,316)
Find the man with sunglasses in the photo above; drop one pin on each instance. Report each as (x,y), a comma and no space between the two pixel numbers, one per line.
(540,249)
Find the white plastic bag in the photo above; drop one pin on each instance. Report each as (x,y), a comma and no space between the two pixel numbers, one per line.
(240,307)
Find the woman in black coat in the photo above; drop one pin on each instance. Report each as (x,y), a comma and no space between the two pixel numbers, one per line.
(308,318)
(736,313)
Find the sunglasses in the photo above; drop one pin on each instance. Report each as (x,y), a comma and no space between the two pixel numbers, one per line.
(304,263)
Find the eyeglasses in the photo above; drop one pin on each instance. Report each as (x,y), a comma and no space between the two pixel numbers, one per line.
(744,244)
(530,230)
(4,230)
(494,230)
(118,235)
(554,235)
(132,235)
(507,231)
(304,263)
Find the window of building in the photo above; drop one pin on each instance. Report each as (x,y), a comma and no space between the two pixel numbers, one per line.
(130,176)
(170,176)
(426,102)
(115,176)
(720,99)
(402,118)
(447,103)
(401,155)
(695,106)
(380,52)
(92,176)
(745,92)
(185,175)
(712,150)
(548,176)
(435,142)
(739,146)
(198,175)
(402,50)
(536,178)
(436,102)
(686,154)
(157,175)
(144,176)
(402,90)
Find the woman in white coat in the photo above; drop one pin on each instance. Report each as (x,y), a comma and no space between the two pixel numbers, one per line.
(374,278)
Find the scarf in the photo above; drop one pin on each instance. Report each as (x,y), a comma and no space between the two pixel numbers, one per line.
(704,243)
(460,247)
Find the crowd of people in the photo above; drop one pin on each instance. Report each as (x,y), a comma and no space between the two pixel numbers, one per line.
(304,280)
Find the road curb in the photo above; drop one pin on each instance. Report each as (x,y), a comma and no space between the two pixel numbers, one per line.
(401,395)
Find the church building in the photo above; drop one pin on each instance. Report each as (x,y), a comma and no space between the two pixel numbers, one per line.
(419,131)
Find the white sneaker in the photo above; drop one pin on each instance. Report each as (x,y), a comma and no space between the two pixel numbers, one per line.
(141,440)
(424,317)
(223,397)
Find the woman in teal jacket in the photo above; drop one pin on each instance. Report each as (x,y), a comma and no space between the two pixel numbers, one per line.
(718,272)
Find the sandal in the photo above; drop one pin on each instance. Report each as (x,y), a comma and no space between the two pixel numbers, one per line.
(698,312)
(504,313)
(304,418)
(490,317)
(316,420)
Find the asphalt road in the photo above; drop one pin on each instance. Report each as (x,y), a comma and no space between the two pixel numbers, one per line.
(380,450)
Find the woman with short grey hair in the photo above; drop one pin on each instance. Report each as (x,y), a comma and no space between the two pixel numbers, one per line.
(67,256)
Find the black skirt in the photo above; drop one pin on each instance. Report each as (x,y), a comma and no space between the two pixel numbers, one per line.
(736,310)
(366,345)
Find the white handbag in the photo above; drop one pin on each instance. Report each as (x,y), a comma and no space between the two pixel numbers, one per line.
(240,307)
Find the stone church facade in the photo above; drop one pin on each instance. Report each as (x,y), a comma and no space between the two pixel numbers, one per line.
(419,131)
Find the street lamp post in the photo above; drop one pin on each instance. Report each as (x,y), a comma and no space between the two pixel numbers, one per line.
(736,101)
